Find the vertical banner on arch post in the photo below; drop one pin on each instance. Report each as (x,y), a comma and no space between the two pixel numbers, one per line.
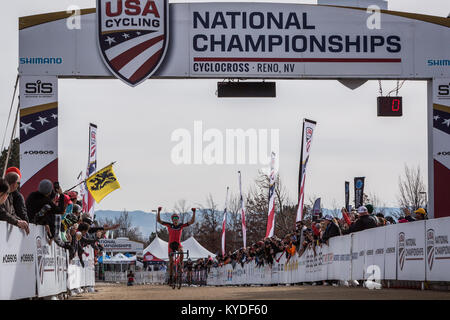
(359,191)
(441,147)
(307,134)
(271,214)
(38,131)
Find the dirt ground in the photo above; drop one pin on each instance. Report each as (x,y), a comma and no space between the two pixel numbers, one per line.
(106,291)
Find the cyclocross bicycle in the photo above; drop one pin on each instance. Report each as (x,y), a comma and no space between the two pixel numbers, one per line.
(177,270)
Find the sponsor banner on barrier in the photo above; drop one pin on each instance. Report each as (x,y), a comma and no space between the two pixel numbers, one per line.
(17,259)
(390,252)
(411,251)
(374,246)
(51,266)
(358,256)
(31,267)
(438,250)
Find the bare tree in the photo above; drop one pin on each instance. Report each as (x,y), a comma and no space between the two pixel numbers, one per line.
(233,238)
(411,187)
(125,227)
(207,229)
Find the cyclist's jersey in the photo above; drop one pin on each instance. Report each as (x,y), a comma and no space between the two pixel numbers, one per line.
(174,231)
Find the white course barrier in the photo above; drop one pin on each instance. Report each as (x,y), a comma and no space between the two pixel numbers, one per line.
(415,251)
(30,267)
(140,277)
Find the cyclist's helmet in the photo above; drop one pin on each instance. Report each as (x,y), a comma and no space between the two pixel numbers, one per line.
(175,215)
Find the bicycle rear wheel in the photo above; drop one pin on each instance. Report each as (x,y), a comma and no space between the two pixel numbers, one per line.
(174,276)
(180,277)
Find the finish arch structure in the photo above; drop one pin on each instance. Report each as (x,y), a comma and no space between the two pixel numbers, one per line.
(137,40)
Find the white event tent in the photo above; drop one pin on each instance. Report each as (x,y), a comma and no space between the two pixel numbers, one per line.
(159,249)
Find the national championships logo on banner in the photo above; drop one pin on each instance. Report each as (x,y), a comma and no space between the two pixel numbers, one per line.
(401,250)
(133,37)
(430,248)
(40,259)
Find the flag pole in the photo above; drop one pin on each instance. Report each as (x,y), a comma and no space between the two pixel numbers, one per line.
(244,228)
(224,223)
(112,163)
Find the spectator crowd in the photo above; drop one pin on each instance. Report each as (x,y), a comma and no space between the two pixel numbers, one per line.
(65,224)
(311,233)
(59,212)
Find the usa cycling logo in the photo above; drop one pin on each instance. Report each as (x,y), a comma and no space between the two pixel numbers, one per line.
(430,248)
(401,249)
(133,36)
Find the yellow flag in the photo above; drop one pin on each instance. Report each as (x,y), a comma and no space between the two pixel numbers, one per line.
(102,183)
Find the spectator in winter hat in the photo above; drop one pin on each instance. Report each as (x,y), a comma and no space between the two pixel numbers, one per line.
(15,205)
(364,222)
(408,215)
(421,214)
(390,220)
(41,208)
(5,209)
(13,176)
(331,229)
(369,208)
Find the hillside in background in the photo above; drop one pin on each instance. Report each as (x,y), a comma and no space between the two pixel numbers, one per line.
(146,221)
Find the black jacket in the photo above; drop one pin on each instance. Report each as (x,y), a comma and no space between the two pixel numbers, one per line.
(18,202)
(7,214)
(363,223)
(332,230)
(37,200)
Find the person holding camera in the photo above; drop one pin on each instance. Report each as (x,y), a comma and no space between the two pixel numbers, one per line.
(41,208)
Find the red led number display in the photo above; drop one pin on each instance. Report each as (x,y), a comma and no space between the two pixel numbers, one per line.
(389,107)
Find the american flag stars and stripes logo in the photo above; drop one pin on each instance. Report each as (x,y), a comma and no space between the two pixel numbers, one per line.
(133,37)
(34,124)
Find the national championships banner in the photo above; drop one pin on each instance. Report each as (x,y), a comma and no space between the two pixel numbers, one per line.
(222,39)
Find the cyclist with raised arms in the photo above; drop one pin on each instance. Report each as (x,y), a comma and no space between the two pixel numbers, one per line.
(174,229)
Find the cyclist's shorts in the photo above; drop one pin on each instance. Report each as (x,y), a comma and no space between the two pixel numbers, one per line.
(175,246)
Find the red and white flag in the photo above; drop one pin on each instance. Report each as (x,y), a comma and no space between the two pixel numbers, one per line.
(308,130)
(271,214)
(244,228)
(224,223)
(88,200)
